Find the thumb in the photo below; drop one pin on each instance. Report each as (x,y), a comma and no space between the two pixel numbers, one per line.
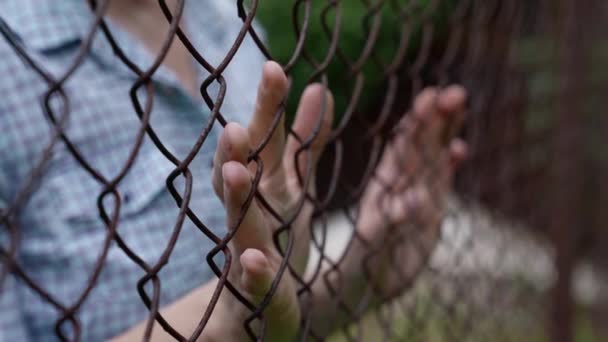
(282,315)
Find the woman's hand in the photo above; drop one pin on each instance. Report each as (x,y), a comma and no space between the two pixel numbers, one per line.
(399,216)
(403,206)
(255,259)
(400,212)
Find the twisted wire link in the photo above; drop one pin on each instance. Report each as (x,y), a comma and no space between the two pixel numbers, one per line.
(432,43)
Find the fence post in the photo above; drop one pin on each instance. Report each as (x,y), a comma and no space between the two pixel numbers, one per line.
(566,224)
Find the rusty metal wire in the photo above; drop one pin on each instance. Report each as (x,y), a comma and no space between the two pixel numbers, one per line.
(516,176)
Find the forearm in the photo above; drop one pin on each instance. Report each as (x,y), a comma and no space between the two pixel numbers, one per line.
(184,316)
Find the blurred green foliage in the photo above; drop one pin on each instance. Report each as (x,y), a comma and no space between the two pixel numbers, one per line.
(357,18)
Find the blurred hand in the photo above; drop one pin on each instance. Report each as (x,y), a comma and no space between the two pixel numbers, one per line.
(402,208)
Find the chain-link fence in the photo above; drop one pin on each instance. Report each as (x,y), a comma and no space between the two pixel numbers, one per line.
(518,255)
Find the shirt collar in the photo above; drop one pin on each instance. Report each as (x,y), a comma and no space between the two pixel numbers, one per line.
(49,25)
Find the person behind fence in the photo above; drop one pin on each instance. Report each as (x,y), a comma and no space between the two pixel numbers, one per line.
(61,234)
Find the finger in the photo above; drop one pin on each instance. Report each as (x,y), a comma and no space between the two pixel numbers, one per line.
(440,183)
(458,152)
(452,99)
(401,156)
(248,220)
(427,115)
(271,94)
(233,145)
(451,103)
(282,314)
(440,115)
(429,121)
(313,121)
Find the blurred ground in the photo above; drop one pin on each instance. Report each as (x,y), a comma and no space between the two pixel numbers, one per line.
(487,280)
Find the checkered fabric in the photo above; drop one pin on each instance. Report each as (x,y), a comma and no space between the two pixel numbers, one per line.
(61,232)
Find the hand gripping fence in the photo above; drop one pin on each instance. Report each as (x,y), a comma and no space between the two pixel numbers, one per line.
(529,193)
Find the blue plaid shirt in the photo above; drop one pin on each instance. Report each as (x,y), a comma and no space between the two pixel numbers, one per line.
(61,232)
